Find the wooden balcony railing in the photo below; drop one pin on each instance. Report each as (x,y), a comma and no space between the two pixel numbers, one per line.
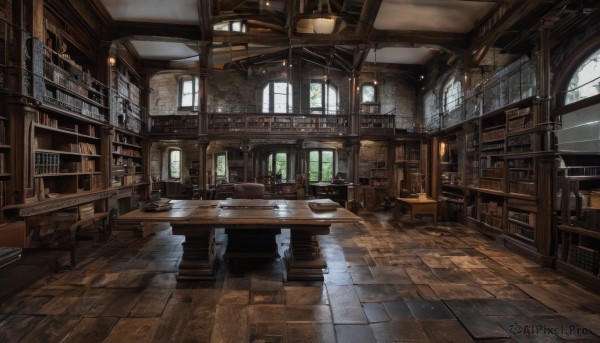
(280,124)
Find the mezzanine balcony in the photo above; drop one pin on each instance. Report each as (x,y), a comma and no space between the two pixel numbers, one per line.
(281,124)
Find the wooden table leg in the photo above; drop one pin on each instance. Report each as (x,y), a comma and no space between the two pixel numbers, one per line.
(303,260)
(199,251)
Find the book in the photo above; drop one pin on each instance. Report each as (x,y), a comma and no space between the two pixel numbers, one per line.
(323,205)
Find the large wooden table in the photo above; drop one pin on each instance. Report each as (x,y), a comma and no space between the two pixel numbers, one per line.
(416,206)
(198,219)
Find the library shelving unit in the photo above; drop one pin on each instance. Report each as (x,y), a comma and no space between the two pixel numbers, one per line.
(452,170)
(125,109)
(127,153)
(408,165)
(5,154)
(578,195)
(61,148)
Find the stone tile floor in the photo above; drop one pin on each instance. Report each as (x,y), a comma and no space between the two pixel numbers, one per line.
(386,282)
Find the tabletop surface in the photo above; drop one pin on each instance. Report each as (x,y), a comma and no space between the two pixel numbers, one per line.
(243,211)
(416,201)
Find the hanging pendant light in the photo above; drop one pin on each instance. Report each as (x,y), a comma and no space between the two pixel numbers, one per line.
(324,24)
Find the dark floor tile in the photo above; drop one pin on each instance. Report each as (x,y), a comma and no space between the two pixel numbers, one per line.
(398,310)
(306,296)
(376,312)
(429,310)
(377,293)
(445,331)
(453,275)
(497,307)
(354,333)
(458,291)
(476,323)
(399,331)
(308,313)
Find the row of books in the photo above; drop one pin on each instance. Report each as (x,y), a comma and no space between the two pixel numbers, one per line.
(46,163)
(118,149)
(3,162)
(81,147)
(3,133)
(48,120)
(85,166)
(3,186)
(73,104)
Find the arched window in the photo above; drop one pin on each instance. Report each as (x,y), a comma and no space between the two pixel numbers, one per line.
(452,94)
(323,98)
(585,82)
(174,164)
(277,97)
(368,93)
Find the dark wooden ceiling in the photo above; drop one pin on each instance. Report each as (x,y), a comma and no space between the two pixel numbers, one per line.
(276,30)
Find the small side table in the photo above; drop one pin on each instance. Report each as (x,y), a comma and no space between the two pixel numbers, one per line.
(416,206)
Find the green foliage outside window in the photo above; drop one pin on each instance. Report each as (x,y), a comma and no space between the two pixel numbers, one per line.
(221,165)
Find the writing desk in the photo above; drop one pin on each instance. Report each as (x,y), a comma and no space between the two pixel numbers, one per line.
(198,219)
(416,206)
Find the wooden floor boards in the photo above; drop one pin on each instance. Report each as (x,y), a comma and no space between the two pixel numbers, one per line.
(385,282)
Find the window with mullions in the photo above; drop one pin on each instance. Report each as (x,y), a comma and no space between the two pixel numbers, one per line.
(323,98)
(220,166)
(585,82)
(234,26)
(452,94)
(277,164)
(368,93)
(188,92)
(321,165)
(174,164)
(277,97)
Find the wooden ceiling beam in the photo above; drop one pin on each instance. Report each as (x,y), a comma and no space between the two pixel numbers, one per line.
(123,29)
(503,18)
(445,40)
(205,15)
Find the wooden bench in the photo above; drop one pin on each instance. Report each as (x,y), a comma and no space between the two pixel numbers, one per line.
(99,219)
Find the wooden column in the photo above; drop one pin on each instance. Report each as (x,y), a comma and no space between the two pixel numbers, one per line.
(354,145)
(545,191)
(202,176)
(21,112)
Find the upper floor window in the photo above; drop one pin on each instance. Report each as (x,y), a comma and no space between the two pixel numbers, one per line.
(234,25)
(323,98)
(188,92)
(585,82)
(174,164)
(277,97)
(452,94)
(368,93)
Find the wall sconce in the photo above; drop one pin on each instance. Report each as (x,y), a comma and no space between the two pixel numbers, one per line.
(112,61)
